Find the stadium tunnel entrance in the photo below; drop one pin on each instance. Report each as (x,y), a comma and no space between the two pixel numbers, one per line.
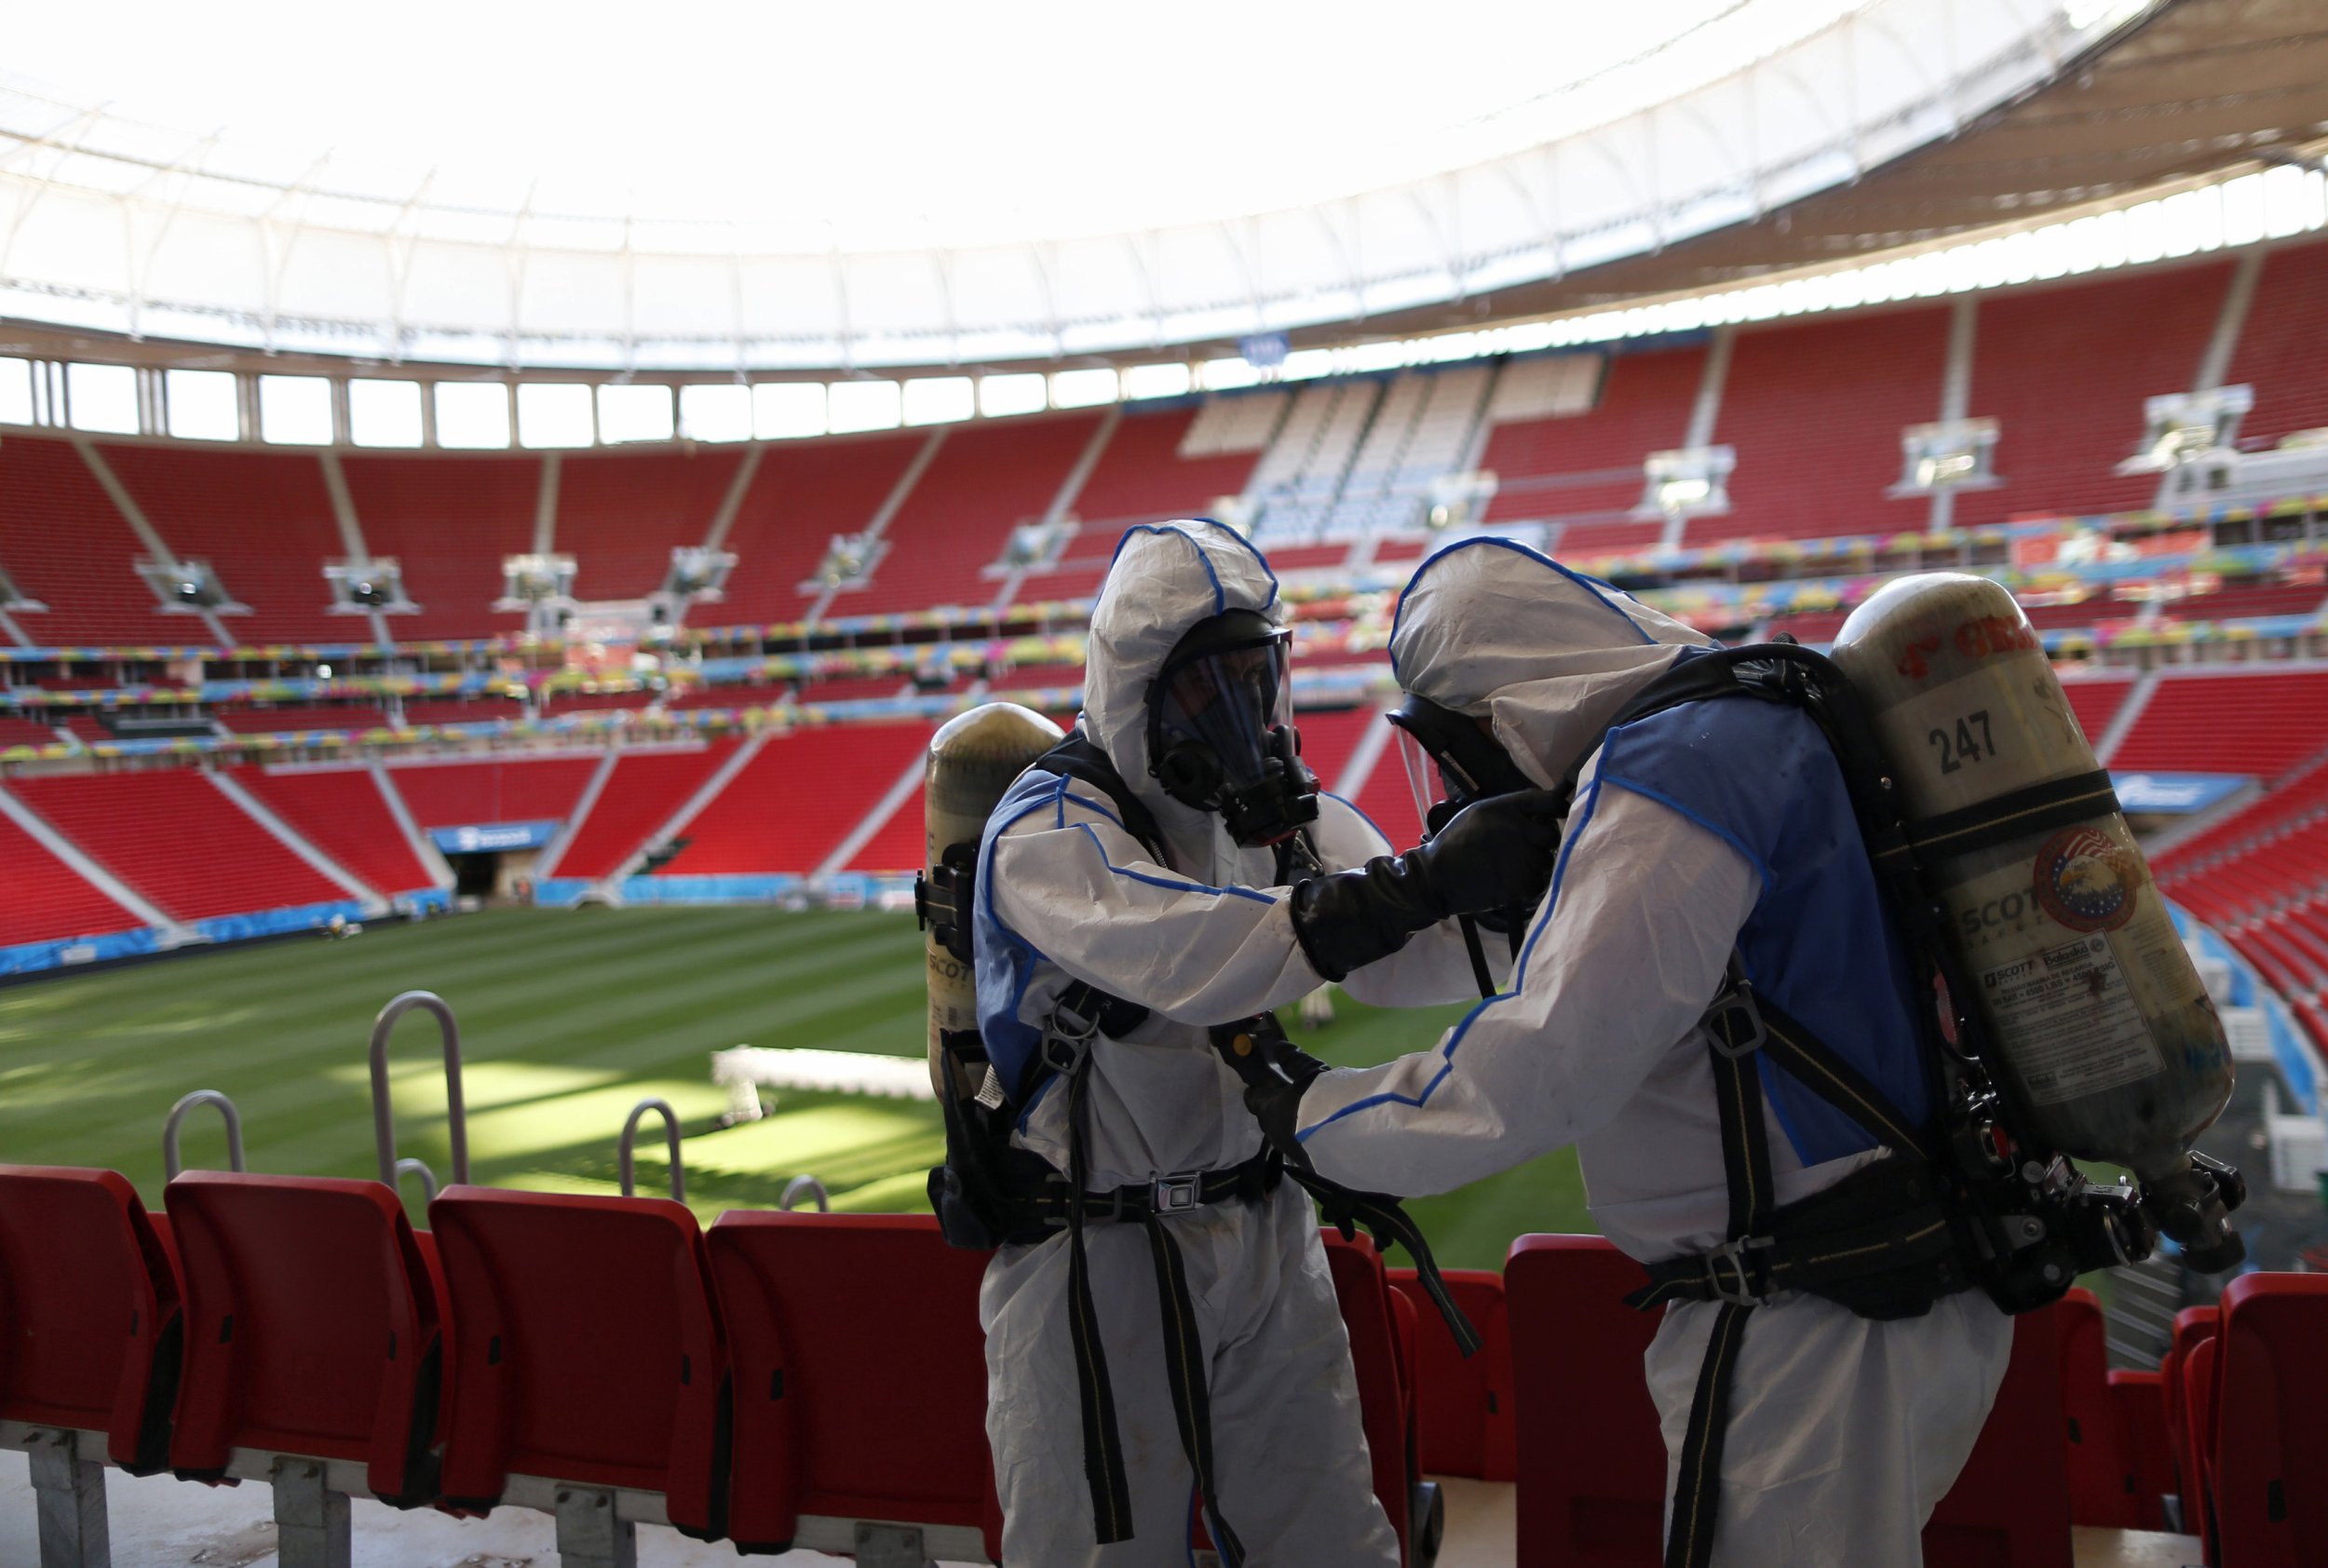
(495,862)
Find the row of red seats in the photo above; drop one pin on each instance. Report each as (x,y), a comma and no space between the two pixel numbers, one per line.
(2243,1385)
(779,1380)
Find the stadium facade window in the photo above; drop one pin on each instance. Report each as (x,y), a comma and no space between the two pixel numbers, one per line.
(715,411)
(634,412)
(295,410)
(1000,395)
(1082,389)
(1222,375)
(555,413)
(472,413)
(785,409)
(1157,381)
(102,398)
(16,392)
(384,413)
(940,399)
(864,405)
(202,405)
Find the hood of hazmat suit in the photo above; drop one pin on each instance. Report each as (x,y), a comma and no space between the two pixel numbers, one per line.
(1492,629)
(1164,580)
(1712,829)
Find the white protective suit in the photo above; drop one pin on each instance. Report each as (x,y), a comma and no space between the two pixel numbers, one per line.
(1844,1433)
(1203,941)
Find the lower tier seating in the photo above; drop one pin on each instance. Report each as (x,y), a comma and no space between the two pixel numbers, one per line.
(179,841)
(452,794)
(645,790)
(342,812)
(48,900)
(791,805)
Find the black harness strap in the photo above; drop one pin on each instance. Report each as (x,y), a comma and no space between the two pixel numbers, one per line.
(1185,1368)
(1389,1224)
(2032,810)
(1103,1444)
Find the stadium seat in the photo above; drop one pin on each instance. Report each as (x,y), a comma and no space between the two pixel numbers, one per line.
(91,1333)
(1463,1405)
(2271,1448)
(860,1382)
(311,1333)
(2141,1404)
(1593,1492)
(2198,1450)
(1385,1391)
(586,1357)
(2101,1486)
(2192,1325)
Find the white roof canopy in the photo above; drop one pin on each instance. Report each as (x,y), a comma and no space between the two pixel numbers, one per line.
(718,185)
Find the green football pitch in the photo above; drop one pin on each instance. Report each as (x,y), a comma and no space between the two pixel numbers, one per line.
(568,1018)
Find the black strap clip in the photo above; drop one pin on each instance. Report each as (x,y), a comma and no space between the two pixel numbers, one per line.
(1733,1025)
(1730,1271)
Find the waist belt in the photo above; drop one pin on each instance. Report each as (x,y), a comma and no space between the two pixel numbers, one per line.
(1036,1214)
(1878,1241)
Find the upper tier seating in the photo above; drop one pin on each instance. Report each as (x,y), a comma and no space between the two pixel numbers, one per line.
(1815,410)
(985,480)
(802,496)
(584,702)
(263,522)
(2229,723)
(2095,702)
(48,900)
(1142,478)
(620,513)
(644,791)
(463,710)
(459,795)
(791,804)
(2279,351)
(448,521)
(2064,372)
(341,811)
(64,544)
(179,841)
(278,720)
(2248,599)
(900,843)
(1585,470)
(25,732)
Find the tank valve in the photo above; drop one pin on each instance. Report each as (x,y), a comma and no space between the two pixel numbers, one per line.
(2194,1207)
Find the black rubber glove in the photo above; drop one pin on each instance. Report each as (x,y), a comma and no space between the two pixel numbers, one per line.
(1497,854)
(1276,1072)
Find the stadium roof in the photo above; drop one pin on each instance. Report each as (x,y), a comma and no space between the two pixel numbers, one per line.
(916,186)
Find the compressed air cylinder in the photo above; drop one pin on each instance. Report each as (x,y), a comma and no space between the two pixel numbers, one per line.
(973,759)
(2109,1043)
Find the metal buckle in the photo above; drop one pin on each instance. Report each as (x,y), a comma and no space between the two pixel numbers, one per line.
(1740,999)
(1733,1253)
(1176,1195)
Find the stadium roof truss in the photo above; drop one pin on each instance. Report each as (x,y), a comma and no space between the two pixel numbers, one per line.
(114,225)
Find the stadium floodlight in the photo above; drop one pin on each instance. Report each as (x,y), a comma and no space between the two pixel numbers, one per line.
(542,586)
(1687,481)
(698,574)
(189,587)
(359,588)
(1950,454)
(1036,544)
(848,561)
(2180,428)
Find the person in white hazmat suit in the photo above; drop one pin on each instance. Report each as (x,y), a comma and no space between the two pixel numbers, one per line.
(1703,832)
(1158,942)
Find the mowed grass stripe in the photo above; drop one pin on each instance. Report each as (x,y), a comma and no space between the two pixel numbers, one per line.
(567,1017)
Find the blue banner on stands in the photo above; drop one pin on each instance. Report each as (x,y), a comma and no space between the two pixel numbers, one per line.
(30,958)
(484,837)
(558,890)
(2176,793)
(738,889)
(274,922)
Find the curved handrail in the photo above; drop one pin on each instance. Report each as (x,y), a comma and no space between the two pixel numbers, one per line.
(671,1141)
(808,1186)
(384,1114)
(232,1117)
(411,1166)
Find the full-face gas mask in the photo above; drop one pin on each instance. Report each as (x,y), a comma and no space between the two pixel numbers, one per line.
(1221,736)
(1451,760)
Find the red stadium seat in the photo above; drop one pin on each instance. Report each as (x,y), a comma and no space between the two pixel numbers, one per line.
(2192,1325)
(1384,1386)
(861,1381)
(312,1329)
(2198,1450)
(1463,1405)
(2141,1403)
(587,1351)
(2101,1485)
(2271,1446)
(90,1334)
(1591,1490)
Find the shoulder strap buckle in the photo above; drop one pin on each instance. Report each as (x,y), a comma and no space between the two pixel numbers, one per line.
(1733,1024)
(1730,1272)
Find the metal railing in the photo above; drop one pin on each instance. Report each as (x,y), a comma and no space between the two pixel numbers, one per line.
(384,1114)
(670,1141)
(232,1117)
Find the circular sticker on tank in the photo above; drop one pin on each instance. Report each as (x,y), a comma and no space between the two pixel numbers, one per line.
(2082,880)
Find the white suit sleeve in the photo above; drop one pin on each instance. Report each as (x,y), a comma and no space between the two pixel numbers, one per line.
(1619,967)
(1082,893)
(1435,966)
